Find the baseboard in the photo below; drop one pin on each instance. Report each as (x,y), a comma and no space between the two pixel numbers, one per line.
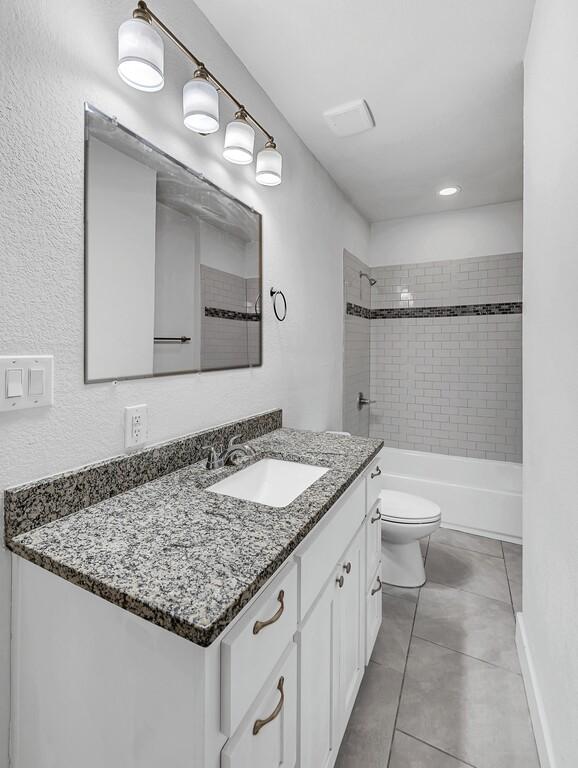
(483,532)
(535,702)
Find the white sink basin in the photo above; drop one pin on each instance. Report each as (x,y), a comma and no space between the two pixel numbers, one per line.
(272,482)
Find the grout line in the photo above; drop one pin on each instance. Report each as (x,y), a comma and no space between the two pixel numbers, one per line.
(403,679)
(465,591)
(438,749)
(466,549)
(467,655)
(508,580)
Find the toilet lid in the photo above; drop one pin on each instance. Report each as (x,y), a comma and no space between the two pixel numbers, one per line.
(405,507)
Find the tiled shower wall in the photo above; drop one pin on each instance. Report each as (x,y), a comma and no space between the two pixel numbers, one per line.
(228,342)
(356,346)
(449,379)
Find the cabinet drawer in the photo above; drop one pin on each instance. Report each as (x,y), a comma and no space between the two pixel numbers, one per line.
(374,479)
(319,553)
(372,541)
(267,737)
(373,610)
(253,647)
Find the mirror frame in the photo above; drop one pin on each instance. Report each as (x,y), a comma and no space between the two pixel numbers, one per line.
(89,108)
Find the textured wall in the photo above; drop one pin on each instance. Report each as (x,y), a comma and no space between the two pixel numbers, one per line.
(551,370)
(449,384)
(54,57)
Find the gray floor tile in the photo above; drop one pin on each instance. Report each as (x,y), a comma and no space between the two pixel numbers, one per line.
(467,708)
(513,558)
(405,593)
(471,571)
(395,633)
(467,541)
(368,737)
(472,624)
(408,752)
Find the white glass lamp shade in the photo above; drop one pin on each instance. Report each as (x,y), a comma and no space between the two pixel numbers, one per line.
(269,162)
(140,55)
(201,106)
(239,142)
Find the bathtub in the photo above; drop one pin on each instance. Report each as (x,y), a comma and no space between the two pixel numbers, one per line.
(475,495)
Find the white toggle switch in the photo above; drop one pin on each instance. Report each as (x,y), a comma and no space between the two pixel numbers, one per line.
(14,382)
(36,381)
(26,382)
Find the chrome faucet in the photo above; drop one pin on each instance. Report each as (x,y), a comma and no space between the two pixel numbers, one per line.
(216,460)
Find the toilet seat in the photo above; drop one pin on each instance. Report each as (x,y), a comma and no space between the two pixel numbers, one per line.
(399,507)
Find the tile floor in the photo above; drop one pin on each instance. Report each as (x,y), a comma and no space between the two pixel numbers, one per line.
(443,688)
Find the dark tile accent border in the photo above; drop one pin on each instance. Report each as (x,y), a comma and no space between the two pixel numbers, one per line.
(29,506)
(456,310)
(358,311)
(230,314)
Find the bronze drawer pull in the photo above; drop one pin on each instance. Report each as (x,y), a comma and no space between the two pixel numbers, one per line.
(379,586)
(376,518)
(340,581)
(260,723)
(347,567)
(259,625)
(377,472)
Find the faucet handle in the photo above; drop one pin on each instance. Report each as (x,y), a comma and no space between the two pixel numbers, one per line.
(233,440)
(212,456)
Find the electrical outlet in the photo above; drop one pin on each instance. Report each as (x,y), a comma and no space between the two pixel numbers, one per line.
(135,425)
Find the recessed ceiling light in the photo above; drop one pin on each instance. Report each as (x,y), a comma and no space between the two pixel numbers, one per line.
(448,191)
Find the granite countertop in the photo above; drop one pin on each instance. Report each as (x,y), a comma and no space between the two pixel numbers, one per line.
(188,559)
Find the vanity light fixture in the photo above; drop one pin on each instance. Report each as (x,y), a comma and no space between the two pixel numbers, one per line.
(449,191)
(140,54)
(201,104)
(141,65)
(269,162)
(239,140)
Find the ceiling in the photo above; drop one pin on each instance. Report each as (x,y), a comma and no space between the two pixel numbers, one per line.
(443,79)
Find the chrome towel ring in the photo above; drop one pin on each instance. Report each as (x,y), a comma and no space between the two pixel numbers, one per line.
(274,294)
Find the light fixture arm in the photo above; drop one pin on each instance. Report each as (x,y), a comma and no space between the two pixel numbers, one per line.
(143,12)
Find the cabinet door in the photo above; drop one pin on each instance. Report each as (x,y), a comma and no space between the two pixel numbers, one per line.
(350,628)
(318,742)
(374,480)
(373,612)
(267,737)
(373,541)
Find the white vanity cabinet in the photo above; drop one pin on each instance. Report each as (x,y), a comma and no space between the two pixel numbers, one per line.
(95,685)
(332,659)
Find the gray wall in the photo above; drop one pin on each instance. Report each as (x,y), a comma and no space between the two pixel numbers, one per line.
(549,623)
(449,384)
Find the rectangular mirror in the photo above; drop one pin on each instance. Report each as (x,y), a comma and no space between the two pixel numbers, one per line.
(172,264)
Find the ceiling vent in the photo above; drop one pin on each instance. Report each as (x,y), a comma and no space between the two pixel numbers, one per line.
(349,119)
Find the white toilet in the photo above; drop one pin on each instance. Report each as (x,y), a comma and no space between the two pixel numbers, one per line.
(405,519)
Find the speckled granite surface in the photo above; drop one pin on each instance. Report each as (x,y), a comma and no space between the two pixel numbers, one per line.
(188,559)
(28,506)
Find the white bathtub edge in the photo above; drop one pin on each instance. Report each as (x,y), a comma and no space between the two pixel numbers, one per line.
(475,496)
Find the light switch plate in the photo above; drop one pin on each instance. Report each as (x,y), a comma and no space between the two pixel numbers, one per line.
(42,367)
